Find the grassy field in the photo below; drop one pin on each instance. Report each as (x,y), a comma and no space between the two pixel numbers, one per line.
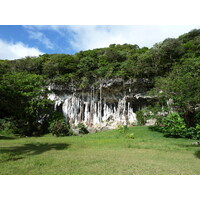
(107,152)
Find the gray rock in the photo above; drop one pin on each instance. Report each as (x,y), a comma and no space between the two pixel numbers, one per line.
(150,122)
(196,143)
(104,128)
(92,130)
(75,132)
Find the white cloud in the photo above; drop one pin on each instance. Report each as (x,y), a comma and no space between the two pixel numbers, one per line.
(90,37)
(57,28)
(36,34)
(41,38)
(61,29)
(13,51)
(97,36)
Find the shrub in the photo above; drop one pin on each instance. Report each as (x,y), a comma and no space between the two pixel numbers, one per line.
(8,127)
(130,136)
(198,131)
(11,127)
(82,128)
(141,117)
(197,116)
(60,128)
(190,132)
(173,125)
(150,112)
(123,129)
(193,132)
(56,116)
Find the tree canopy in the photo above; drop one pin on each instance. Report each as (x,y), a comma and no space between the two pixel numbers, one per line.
(173,66)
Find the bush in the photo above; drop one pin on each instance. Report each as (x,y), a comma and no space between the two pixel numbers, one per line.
(141,117)
(8,127)
(56,115)
(130,136)
(60,128)
(193,132)
(82,128)
(173,125)
(197,116)
(123,129)
(11,127)
(198,131)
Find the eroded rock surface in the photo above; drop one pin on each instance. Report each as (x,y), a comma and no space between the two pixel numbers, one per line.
(107,104)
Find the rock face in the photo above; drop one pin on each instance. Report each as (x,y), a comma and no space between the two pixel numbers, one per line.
(108,104)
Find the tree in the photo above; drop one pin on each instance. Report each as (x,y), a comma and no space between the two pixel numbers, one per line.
(24,97)
(183,87)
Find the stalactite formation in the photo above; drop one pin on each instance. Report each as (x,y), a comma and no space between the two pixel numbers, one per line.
(109,105)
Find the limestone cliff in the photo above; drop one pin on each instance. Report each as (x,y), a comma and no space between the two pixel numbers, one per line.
(107,103)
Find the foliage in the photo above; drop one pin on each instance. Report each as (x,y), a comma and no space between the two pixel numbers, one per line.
(141,119)
(24,98)
(8,127)
(60,128)
(123,129)
(155,111)
(82,128)
(130,135)
(193,132)
(173,125)
(56,115)
(169,70)
(183,87)
(197,116)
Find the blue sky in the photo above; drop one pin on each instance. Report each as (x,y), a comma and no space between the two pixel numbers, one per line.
(18,41)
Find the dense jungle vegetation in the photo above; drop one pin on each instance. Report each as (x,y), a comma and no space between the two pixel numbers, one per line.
(173,66)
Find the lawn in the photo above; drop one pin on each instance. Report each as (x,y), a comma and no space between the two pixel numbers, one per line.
(107,152)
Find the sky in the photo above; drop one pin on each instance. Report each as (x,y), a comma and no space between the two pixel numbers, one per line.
(18,41)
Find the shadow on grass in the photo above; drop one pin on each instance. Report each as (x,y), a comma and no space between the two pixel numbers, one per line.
(189,145)
(197,154)
(2,137)
(19,152)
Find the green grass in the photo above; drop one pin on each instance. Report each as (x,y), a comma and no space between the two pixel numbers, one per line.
(107,152)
